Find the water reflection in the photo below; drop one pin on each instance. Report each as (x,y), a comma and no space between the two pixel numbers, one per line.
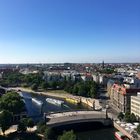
(34,109)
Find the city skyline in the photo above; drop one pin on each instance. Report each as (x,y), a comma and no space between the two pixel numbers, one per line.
(75,31)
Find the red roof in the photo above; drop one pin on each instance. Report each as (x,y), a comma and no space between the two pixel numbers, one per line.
(123,90)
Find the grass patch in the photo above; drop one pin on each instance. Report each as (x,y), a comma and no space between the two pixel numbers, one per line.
(58,91)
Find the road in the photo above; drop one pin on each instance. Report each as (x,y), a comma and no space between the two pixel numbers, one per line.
(106,102)
(75,116)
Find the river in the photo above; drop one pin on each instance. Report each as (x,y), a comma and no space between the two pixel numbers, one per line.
(34,110)
(100,134)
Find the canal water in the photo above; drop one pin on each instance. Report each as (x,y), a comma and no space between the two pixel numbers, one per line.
(34,110)
(100,134)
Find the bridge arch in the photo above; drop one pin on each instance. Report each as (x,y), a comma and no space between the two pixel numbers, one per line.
(78,119)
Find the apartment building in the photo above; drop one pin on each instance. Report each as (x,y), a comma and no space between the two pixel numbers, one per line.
(135,105)
(121,96)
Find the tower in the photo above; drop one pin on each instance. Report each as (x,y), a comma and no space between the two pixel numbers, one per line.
(103,65)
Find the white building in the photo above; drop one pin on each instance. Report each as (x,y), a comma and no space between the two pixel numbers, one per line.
(132,82)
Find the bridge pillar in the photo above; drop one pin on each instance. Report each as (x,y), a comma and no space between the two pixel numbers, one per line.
(107,122)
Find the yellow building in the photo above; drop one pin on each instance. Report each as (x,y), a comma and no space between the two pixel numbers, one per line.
(135,105)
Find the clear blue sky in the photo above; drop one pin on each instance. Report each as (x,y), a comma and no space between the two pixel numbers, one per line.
(69,31)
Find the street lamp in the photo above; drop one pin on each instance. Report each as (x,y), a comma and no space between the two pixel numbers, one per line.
(107,106)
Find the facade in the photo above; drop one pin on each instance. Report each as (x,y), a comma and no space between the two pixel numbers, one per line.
(121,96)
(87,77)
(138,74)
(103,79)
(135,105)
(132,82)
(52,76)
(109,86)
(95,77)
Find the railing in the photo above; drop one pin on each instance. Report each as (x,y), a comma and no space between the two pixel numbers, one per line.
(79,114)
(70,110)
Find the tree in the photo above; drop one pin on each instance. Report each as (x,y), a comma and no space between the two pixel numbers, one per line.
(12,102)
(24,123)
(34,87)
(67,136)
(5,120)
(133,117)
(93,92)
(30,123)
(127,117)
(44,85)
(49,134)
(41,126)
(75,89)
(138,129)
(21,127)
(130,118)
(121,116)
(82,90)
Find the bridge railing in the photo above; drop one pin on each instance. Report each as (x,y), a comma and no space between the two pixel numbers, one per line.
(70,110)
(83,113)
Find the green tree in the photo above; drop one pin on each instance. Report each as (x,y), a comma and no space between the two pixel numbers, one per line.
(30,123)
(121,116)
(75,89)
(127,117)
(49,134)
(82,90)
(34,87)
(12,102)
(22,127)
(138,129)
(133,118)
(53,84)
(44,85)
(41,126)
(93,92)
(5,120)
(24,123)
(67,136)
(130,118)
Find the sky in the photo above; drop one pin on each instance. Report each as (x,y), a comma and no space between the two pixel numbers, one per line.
(77,31)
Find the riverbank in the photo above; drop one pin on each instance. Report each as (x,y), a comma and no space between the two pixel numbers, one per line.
(93,103)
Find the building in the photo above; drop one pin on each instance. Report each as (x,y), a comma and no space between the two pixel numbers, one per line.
(87,77)
(109,86)
(103,66)
(135,105)
(52,76)
(103,79)
(95,77)
(121,95)
(132,82)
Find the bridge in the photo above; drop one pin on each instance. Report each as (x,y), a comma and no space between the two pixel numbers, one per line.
(74,117)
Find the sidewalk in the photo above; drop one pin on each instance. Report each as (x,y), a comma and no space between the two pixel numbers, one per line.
(13,129)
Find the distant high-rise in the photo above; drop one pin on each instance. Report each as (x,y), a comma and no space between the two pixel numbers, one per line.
(103,65)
